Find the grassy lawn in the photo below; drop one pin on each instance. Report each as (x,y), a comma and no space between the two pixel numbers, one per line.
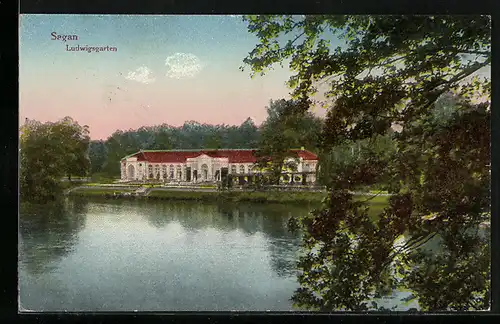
(69,185)
(150,185)
(376,200)
(208,186)
(377,203)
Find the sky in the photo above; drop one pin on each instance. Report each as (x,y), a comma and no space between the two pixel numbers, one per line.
(166,69)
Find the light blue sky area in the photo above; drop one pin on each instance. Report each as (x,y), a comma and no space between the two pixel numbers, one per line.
(135,84)
(220,41)
(167,69)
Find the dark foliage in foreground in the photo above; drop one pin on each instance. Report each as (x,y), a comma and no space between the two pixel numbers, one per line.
(418,75)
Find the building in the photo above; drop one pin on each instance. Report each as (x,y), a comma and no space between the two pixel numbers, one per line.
(209,165)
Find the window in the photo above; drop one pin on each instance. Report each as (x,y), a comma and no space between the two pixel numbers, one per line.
(179,172)
(204,172)
(233,168)
(171,171)
(242,168)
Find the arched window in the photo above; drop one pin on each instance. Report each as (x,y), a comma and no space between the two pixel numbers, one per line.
(242,168)
(233,168)
(164,171)
(131,172)
(150,172)
(179,172)
(204,172)
(171,171)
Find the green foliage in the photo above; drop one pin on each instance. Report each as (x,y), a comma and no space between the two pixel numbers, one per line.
(49,151)
(364,159)
(97,155)
(285,129)
(420,74)
(106,155)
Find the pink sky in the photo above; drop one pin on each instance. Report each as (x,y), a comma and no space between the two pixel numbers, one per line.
(166,70)
(113,106)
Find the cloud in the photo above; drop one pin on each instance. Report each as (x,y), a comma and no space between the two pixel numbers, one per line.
(183,65)
(141,74)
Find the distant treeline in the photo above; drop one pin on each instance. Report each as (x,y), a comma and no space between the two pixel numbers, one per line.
(105,155)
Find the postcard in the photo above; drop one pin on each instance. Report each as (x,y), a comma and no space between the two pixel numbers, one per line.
(254,163)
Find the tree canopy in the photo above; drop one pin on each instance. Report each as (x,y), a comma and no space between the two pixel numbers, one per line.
(393,73)
(48,152)
(284,130)
(106,155)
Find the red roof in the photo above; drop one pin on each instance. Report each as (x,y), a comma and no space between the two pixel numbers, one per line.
(234,156)
(306,155)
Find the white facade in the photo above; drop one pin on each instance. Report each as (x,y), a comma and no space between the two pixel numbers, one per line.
(202,168)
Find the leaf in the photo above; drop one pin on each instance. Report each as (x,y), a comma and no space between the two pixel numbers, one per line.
(392,70)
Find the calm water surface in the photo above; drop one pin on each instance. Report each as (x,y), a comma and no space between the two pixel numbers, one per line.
(99,255)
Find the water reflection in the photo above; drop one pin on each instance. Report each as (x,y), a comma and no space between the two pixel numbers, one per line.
(48,232)
(153,255)
(270,220)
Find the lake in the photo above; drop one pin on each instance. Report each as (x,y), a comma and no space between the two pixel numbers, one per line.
(85,254)
(111,255)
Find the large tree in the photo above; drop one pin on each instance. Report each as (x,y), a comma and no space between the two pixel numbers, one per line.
(48,152)
(282,131)
(75,141)
(392,72)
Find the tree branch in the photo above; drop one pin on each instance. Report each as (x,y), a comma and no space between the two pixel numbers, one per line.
(405,248)
(450,83)
(475,52)
(371,197)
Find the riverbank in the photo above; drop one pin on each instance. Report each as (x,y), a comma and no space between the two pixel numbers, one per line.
(283,197)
